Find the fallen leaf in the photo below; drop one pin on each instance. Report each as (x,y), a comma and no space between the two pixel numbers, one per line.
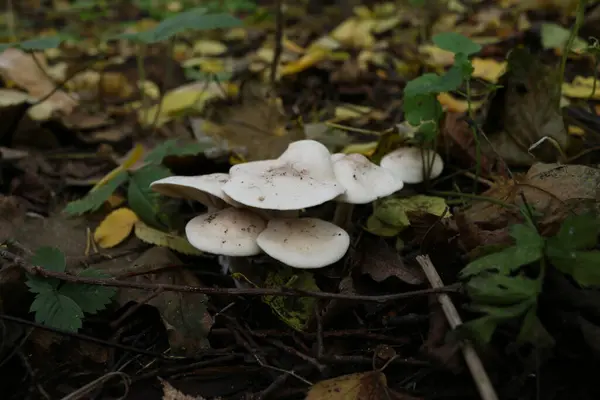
(452,104)
(20,68)
(488,69)
(170,393)
(156,237)
(381,261)
(361,386)
(294,311)
(524,111)
(184,314)
(115,228)
(581,88)
(190,97)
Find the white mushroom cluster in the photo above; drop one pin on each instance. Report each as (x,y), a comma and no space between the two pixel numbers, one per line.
(255,208)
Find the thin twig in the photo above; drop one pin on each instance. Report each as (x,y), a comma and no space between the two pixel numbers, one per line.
(84,390)
(480,376)
(119,346)
(284,291)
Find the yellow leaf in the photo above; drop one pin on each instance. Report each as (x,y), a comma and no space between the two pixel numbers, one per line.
(208,47)
(134,156)
(581,88)
(115,228)
(192,96)
(437,57)
(350,111)
(311,58)
(366,149)
(450,103)
(361,386)
(576,131)
(488,69)
(154,236)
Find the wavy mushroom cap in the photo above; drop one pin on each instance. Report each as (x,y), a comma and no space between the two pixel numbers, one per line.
(301,177)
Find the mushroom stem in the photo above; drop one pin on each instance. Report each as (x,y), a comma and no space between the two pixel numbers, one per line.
(343,215)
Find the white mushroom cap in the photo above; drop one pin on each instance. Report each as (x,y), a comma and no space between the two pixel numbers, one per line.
(203,188)
(363,180)
(301,177)
(337,156)
(304,242)
(229,232)
(409,163)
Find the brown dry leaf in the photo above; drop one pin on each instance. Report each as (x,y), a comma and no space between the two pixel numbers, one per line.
(551,189)
(184,314)
(361,386)
(381,262)
(20,68)
(170,393)
(257,125)
(525,111)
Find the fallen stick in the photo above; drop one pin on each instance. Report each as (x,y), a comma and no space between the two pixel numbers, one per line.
(481,378)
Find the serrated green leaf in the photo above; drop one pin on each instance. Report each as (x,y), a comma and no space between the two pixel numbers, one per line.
(173,147)
(41,285)
(94,199)
(503,312)
(456,43)
(57,311)
(503,262)
(495,289)
(49,258)
(480,329)
(90,298)
(526,236)
(142,200)
(583,266)
(578,232)
(533,331)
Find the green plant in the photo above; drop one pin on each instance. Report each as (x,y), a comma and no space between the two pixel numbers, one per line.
(142,200)
(62,305)
(421,107)
(506,285)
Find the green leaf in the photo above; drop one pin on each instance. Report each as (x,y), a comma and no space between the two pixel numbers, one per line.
(555,36)
(526,236)
(90,298)
(451,80)
(503,312)
(57,311)
(424,84)
(498,289)
(583,266)
(173,147)
(142,200)
(532,331)
(456,43)
(480,329)
(49,258)
(380,228)
(41,285)
(578,232)
(194,19)
(420,108)
(37,44)
(94,199)
(504,262)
